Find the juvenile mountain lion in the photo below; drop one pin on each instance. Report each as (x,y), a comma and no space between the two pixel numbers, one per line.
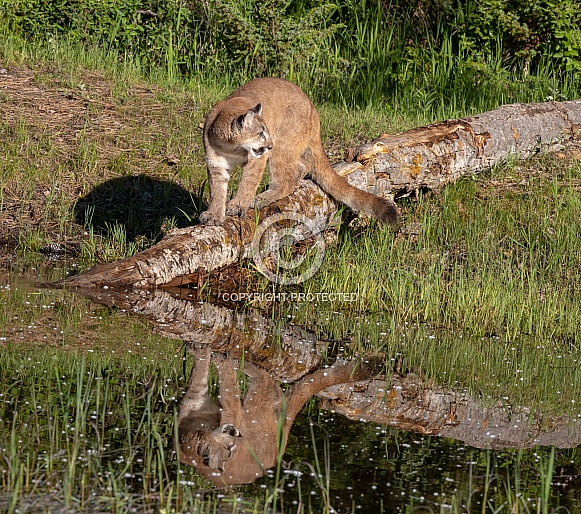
(270,119)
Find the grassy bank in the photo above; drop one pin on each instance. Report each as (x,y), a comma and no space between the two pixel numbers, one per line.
(495,255)
(113,159)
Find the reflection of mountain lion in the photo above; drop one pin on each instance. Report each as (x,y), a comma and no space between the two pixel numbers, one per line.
(235,441)
(272,120)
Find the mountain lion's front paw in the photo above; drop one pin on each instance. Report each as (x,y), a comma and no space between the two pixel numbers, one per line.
(236,209)
(211,218)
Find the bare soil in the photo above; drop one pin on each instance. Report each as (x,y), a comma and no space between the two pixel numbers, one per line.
(80,136)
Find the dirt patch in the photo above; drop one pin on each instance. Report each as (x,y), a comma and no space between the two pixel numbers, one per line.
(64,115)
(71,114)
(64,138)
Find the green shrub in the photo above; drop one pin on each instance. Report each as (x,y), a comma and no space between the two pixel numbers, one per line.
(528,30)
(443,55)
(157,33)
(271,37)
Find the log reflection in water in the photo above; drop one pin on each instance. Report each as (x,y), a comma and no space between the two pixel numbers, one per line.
(276,352)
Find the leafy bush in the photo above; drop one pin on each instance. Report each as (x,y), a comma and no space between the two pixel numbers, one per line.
(157,32)
(270,36)
(443,52)
(527,30)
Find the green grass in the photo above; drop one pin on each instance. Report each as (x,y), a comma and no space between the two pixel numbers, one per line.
(87,431)
(495,255)
(101,159)
(480,289)
(103,162)
(431,74)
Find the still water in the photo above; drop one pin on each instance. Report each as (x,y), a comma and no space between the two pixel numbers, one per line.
(124,401)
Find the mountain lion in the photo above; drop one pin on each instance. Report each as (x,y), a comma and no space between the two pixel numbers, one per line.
(272,120)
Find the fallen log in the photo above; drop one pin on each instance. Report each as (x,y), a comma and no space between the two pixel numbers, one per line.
(390,166)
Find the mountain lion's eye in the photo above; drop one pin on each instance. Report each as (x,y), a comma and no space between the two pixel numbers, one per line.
(262,136)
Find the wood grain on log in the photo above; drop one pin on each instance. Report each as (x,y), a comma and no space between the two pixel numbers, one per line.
(390,166)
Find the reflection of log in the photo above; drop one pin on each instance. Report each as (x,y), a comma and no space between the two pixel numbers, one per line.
(287,352)
(290,353)
(423,158)
(411,404)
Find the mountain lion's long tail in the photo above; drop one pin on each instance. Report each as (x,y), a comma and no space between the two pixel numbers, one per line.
(380,208)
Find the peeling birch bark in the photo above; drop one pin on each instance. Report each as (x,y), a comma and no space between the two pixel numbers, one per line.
(390,166)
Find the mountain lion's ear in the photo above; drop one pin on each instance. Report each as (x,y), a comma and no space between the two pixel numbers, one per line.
(247,117)
(240,121)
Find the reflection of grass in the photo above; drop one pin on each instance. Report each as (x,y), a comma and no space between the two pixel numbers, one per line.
(407,472)
(92,431)
(542,375)
(97,432)
(508,486)
(322,474)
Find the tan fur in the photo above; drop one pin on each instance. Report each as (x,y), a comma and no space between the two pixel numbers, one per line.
(272,120)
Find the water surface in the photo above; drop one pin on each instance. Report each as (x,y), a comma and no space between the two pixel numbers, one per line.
(110,401)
